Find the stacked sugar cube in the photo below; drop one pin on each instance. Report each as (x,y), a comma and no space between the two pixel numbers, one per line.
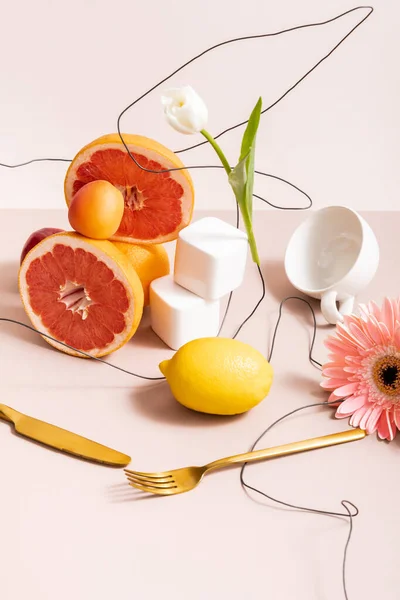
(210,262)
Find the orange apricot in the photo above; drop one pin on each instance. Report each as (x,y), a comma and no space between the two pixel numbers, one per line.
(96,210)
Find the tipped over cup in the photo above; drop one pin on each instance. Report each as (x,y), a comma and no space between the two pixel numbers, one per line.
(332,256)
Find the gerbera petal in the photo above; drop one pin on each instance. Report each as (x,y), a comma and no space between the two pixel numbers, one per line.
(397,337)
(396,306)
(360,336)
(388,316)
(351,370)
(385,332)
(374,330)
(356,360)
(373,419)
(338,363)
(331,384)
(366,416)
(386,427)
(396,418)
(344,334)
(332,401)
(345,390)
(363,308)
(350,405)
(338,346)
(358,415)
(347,319)
(374,309)
(334,372)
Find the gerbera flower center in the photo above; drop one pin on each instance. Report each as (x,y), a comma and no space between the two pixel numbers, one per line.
(386,375)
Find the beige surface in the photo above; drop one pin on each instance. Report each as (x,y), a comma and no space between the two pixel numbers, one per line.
(70,529)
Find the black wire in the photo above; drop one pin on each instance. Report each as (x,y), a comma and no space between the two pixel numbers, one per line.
(256,306)
(234,40)
(310,202)
(14,321)
(247,486)
(311,359)
(344,503)
(34,160)
(309,25)
(226,42)
(241,39)
(231,293)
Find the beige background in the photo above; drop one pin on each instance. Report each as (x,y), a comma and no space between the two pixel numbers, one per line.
(69,68)
(70,529)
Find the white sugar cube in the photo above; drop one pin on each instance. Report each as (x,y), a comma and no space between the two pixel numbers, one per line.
(210,258)
(178,316)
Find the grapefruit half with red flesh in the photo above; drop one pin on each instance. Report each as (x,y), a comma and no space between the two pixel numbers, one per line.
(82,292)
(156,206)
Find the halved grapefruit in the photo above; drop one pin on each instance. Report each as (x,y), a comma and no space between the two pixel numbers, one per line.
(157,206)
(82,292)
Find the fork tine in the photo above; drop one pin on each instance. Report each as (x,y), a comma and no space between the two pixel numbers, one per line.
(143,477)
(153,490)
(148,475)
(163,484)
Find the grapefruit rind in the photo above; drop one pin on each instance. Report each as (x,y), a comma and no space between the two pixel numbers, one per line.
(153,150)
(149,261)
(114,260)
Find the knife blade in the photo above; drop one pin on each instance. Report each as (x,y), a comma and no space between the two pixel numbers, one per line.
(61,439)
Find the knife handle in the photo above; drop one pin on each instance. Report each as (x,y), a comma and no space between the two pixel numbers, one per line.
(7,413)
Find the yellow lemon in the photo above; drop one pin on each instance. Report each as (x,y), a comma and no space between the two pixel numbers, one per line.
(218,376)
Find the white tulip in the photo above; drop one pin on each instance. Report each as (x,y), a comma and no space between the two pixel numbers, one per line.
(185,111)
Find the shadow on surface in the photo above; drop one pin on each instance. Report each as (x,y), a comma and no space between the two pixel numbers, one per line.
(136,497)
(9,277)
(158,404)
(11,307)
(146,338)
(307,385)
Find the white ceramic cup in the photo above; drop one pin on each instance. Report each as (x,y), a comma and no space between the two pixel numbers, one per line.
(332,256)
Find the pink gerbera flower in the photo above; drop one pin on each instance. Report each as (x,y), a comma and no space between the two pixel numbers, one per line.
(364,369)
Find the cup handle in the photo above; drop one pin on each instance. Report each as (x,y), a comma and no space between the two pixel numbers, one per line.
(329,309)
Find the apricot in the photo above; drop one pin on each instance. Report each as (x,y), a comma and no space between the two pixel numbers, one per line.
(96,210)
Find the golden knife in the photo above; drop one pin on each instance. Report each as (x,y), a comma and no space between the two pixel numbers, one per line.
(61,439)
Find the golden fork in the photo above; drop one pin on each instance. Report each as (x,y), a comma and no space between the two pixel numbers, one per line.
(178,481)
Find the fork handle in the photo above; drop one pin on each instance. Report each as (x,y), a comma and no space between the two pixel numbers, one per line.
(295,447)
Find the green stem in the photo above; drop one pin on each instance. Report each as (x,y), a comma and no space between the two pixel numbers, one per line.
(250,234)
(246,217)
(217,149)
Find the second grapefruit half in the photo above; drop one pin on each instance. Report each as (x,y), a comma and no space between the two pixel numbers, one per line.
(82,292)
(156,206)
(150,262)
